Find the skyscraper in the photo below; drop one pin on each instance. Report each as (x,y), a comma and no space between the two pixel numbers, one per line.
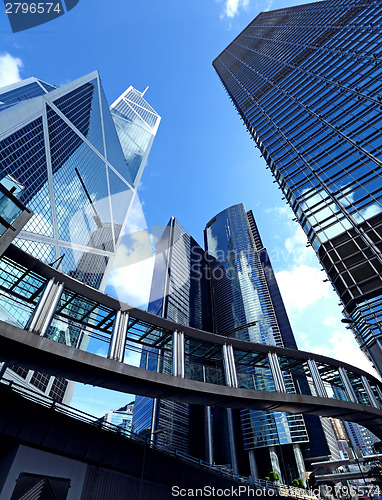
(246,304)
(179,292)
(306,81)
(77,174)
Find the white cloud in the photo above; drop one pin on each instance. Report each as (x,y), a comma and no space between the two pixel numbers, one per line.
(330,321)
(268,7)
(344,347)
(301,287)
(297,251)
(132,283)
(232,7)
(133,265)
(336,342)
(9,69)
(310,302)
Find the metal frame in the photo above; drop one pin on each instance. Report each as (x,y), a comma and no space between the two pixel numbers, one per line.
(118,323)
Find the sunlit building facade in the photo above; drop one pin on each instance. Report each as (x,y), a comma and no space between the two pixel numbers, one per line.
(79,163)
(179,292)
(246,304)
(78,173)
(306,81)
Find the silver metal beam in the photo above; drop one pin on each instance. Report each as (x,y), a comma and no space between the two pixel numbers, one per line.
(348,387)
(369,391)
(231,360)
(277,374)
(114,336)
(229,366)
(316,377)
(175,354)
(210,446)
(227,370)
(181,353)
(122,335)
(232,441)
(379,393)
(40,305)
(118,337)
(44,312)
(178,354)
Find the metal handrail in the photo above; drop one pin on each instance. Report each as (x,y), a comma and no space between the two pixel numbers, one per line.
(48,402)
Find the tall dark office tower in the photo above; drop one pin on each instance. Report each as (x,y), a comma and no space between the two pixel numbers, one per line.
(306,81)
(246,304)
(179,292)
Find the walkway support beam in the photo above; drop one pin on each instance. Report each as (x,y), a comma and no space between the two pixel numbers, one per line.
(229,366)
(118,338)
(347,384)
(317,380)
(369,392)
(44,312)
(178,354)
(277,374)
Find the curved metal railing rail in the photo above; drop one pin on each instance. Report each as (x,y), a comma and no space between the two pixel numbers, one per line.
(176,362)
(91,420)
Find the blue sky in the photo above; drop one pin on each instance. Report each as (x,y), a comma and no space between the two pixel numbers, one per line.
(203,159)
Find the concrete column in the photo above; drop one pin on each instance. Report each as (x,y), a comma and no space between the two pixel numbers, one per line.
(275,461)
(299,462)
(253,466)
(44,312)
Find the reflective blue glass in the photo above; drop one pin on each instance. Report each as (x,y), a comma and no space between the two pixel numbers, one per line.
(306,81)
(247,305)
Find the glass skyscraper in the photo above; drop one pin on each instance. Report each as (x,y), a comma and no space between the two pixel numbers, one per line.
(179,292)
(229,289)
(77,163)
(246,304)
(306,81)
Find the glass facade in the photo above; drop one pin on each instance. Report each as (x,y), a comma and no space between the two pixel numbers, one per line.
(242,307)
(179,292)
(60,150)
(306,81)
(136,123)
(62,146)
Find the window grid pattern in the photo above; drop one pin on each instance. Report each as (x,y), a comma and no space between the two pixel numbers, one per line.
(242,307)
(40,381)
(80,189)
(306,81)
